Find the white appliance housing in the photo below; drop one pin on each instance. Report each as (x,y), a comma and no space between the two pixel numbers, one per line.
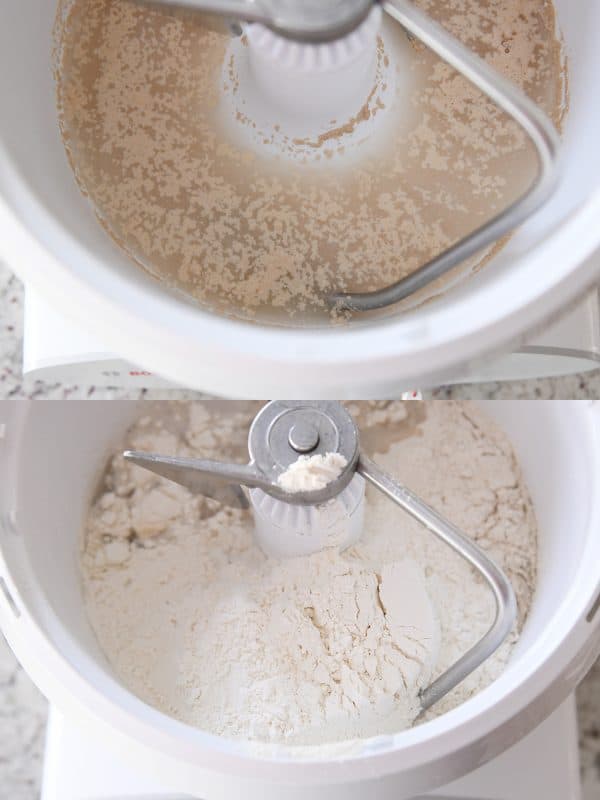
(545,764)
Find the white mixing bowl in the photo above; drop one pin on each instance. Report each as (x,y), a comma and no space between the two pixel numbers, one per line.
(49,235)
(51,457)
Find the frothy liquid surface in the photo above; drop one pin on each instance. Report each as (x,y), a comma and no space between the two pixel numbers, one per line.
(141,95)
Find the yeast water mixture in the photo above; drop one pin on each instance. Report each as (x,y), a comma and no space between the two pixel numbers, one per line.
(268,236)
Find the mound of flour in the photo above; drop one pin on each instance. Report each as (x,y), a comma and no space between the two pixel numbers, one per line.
(198,622)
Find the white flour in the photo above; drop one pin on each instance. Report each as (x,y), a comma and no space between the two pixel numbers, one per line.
(308,473)
(198,622)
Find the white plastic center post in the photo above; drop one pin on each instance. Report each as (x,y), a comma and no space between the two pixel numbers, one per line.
(311,102)
(284,530)
(316,82)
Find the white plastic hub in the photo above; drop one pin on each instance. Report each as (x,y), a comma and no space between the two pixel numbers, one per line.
(310,102)
(318,80)
(285,530)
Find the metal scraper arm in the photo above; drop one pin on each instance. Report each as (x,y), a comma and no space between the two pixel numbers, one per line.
(223,480)
(517,105)
(215,479)
(304,20)
(504,596)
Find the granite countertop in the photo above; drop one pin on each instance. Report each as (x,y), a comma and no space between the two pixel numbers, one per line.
(12,385)
(22,728)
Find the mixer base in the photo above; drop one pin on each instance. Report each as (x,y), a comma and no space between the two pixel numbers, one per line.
(543,765)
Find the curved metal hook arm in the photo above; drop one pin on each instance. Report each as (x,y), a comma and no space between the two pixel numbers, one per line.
(504,596)
(514,102)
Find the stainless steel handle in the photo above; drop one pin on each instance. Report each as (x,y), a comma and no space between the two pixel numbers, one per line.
(303,20)
(223,480)
(215,479)
(514,102)
(504,596)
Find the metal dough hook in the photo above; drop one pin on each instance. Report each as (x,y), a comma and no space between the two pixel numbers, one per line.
(284,430)
(520,108)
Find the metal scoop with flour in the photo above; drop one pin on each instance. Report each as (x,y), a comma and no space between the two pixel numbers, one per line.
(295,523)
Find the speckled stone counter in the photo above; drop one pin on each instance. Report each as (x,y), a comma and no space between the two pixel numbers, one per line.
(588,703)
(22,727)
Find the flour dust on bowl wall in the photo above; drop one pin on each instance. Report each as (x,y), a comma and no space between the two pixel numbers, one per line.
(203,195)
(232,629)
